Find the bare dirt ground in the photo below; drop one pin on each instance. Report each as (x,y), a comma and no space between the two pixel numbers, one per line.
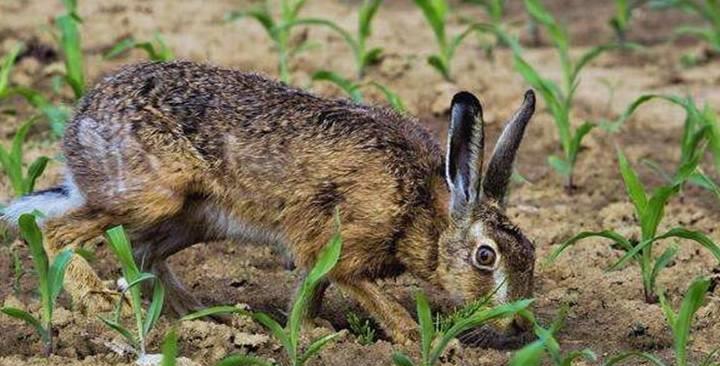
(607,313)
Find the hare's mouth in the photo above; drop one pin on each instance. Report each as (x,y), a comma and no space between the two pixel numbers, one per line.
(489,337)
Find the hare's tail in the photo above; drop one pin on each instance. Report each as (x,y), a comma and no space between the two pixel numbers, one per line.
(49,203)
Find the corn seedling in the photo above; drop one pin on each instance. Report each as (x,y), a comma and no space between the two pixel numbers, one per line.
(436,12)
(50,281)
(169,348)
(620,22)
(289,336)
(18,270)
(363,329)
(67,25)
(433,343)
(55,114)
(120,245)
(558,99)
(156,49)
(546,344)
(353,89)
(494,9)
(649,212)
(708,10)
(680,324)
(276,29)
(364,57)
(11,162)
(700,129)
(6,64)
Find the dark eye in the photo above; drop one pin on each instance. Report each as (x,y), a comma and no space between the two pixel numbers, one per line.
(485,256)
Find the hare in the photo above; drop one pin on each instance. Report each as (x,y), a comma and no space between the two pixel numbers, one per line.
(182,153)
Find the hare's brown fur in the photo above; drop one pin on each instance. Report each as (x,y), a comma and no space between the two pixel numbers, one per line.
(181,153)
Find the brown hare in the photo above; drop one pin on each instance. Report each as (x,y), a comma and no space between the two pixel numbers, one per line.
(182,153)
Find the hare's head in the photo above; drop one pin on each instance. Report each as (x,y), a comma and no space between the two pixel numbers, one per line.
(482,254)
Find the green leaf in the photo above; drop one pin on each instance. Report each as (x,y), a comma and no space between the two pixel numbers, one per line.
(277,330)
(608,234)
(6,65)
(691,303)
(316,346)
(121,47)
(346,85)
(530,355)
(213,311)
(634,188)
(391,97)
(70,42)
(400,359)
(434,12)
(261,14)
(155,308)
(427,332)
(27,318)
(129,337)
(30,231)
(365,16)
(327,258)
(436,62)
(243,360)
(661,262)
(670,315)
(561,166)
(696,236)
(650,219)
(56,274)
(34,172)
(480,318)
(557,33)
(580,133)
(169,348)
(617,124)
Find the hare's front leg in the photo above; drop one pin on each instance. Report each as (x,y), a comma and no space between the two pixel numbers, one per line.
(393,317)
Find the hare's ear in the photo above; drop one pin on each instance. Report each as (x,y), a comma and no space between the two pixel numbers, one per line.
(464,160)
(500,166)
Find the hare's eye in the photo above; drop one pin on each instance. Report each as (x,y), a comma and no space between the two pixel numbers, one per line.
(485,256)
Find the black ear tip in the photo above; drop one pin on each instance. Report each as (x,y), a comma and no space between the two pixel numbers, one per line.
(466,99)
(530,97)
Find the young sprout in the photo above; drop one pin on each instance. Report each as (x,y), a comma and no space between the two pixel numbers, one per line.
(435,12)
(353,89)
(559,100)
(289,335)
(276,29)
(533,353)
(649,212)
(6,64)
(156,49)
(67,25)
(363,329)
(679,323)
(708,10)
(700,129)
(494,9)
(145,319)
(433,343)
(11,163)
(169,348)
(358,44)
(50,281)
(620,22)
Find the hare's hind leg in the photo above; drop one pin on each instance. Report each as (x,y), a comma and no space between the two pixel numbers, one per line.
(70,231)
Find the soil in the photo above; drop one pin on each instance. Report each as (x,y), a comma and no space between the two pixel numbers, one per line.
(606,313)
